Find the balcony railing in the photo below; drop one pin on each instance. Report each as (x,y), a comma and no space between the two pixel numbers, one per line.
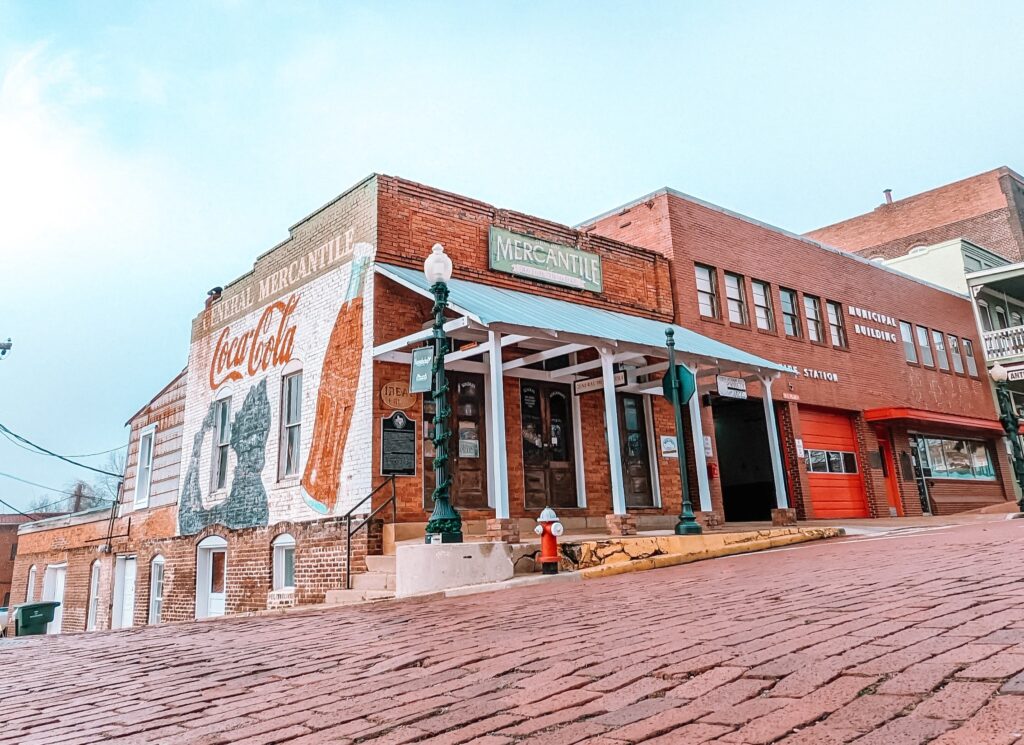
(1004,343)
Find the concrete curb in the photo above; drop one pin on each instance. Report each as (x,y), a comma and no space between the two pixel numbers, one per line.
(668,560)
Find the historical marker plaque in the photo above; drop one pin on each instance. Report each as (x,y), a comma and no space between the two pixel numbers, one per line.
(397,445)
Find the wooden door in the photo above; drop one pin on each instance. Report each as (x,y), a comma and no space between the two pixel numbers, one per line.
(549,463)
(467,445)
(636,453)
(892,479)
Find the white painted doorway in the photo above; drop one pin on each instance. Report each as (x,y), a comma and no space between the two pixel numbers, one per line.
(53,589)
(211,576)
(123,615)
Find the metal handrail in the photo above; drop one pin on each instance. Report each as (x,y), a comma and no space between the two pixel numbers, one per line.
(392,500)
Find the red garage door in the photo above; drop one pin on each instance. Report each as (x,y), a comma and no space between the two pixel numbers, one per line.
(833,468)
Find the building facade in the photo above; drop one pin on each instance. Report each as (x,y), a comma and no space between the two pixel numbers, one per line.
(298,407)
(986,209)
(890,414)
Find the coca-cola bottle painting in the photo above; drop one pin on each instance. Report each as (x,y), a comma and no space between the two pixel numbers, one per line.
(339,380)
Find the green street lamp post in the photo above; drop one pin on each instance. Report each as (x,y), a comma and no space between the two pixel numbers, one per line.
(1011,425)
(445,525)
(680,387)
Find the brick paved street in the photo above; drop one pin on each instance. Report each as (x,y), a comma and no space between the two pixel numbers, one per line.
(906,639)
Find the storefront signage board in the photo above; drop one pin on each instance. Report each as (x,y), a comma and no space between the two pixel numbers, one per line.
(589,385)
(422,370)
(1017,374)
(730,387)
(395,395)
(526,256)
(397,445)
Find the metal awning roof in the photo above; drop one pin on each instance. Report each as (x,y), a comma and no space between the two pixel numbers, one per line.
(489,305)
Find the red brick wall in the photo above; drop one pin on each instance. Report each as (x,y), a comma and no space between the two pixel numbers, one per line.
(872,373)
(412,217)
(979,208)
(8,541)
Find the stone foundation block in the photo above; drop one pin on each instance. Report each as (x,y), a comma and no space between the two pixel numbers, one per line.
(620,524)
(709,520)
(783,517)
(503,530)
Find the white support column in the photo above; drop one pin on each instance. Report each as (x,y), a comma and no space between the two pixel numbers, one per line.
(701,464)
(773,444)
(611,421)
(498,460)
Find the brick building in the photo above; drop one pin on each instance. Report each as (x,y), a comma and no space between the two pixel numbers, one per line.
(986,209)
(9,548)
(890,410)
(295,410)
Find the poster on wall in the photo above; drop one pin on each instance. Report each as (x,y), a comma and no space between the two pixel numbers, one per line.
(397,445)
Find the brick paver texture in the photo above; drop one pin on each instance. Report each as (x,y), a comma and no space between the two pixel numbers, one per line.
(914,637)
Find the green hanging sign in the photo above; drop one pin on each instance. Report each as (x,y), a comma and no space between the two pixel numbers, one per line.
(422,370)
(687,383)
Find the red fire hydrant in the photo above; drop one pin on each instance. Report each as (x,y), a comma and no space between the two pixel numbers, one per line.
(548,528)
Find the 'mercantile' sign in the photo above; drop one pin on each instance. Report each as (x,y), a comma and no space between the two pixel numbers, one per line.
(525,256)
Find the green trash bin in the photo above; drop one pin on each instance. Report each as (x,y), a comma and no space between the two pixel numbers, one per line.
(31,618)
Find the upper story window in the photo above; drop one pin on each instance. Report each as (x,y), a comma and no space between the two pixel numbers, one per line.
(221,443)
(707,291)
(954,354)
(938,340)
(836,324)
(972,365)
(763,312)
(1000,319)
(144,472)
(736,299)
(291,424)
(986,315)
(925,346)
(790,314)
(907,335)
(971,264)
(1015,318)
(284,561)
(812,309)
(30,588)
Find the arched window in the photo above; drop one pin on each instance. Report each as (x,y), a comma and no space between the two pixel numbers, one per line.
(94,596)
(156,588)
(284,561)
(30,589)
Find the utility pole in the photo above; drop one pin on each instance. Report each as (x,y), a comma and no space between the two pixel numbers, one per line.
(78,495)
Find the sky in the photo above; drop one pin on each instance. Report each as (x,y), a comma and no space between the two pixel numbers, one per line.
(150,151)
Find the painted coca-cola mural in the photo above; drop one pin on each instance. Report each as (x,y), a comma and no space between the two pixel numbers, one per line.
(308,323)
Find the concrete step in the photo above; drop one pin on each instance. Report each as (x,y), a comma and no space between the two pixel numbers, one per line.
(380,564)
(373,581)
(350,597)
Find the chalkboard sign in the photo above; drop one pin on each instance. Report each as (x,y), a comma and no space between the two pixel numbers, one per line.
(397,445)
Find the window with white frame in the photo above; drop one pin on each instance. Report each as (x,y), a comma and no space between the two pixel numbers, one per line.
(92,610)
(291,424)
(812,310)
(221,443)
(30,587)
(972,365)
(144,472)
(763,305)
(954,353)
(907,335)
(790,313)
(707,290)
(938,340)
(924,346)
(736,298)
(836,324)
(156,588)
(284,562)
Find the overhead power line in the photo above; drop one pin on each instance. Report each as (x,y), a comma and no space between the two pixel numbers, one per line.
(64,458)
(48,488)
(78,455)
